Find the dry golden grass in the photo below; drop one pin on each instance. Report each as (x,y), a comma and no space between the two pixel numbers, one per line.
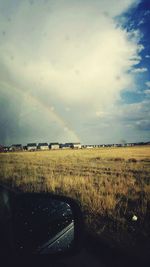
(111,184)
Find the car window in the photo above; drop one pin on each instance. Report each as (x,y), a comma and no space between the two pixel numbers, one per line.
(75,110)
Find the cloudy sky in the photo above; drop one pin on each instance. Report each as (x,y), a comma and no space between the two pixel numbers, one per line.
(74,70)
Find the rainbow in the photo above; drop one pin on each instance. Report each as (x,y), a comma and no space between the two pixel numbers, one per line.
(52,113)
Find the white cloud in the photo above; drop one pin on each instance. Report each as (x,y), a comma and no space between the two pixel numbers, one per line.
(71,54)
(148,83)
(147,12)
(75,55)
(142,21)
(67,109)
(147,56)
(139,70)
(101,114)
(147,92)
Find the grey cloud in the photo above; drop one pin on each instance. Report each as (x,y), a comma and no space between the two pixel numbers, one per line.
(23,123)
(9,117)
(143,125)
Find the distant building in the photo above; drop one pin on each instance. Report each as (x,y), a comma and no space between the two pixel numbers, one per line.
(64,146)
(43,146)
(73,145)
(16,147)
(96,146)
(68,145)
(76,145)
(54,146)
(129,144)
(31,146)
(89,146)
(6,148)
(2,148)
(147,143)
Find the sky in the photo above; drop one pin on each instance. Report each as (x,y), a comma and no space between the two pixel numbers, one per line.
(74,71)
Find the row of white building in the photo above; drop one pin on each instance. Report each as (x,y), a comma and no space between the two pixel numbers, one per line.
(39,146)
(54,146)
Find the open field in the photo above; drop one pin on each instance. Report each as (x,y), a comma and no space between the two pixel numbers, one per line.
(111,185)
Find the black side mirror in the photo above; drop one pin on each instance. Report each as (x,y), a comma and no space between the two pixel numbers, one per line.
(40,223)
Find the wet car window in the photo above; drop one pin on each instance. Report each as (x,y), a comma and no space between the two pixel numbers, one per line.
(38,221)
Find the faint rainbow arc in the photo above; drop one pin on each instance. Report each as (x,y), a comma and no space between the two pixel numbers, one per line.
(48,109)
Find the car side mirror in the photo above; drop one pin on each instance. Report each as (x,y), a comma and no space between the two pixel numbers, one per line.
(40,223)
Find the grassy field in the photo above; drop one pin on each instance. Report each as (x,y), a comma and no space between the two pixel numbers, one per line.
(111,185)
